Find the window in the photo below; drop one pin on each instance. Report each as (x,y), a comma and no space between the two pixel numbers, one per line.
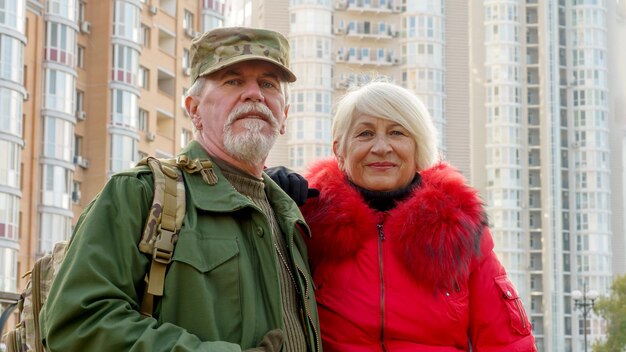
(188,22)
(9,216)
(11,16)
(125,64)
(11,105)
(59,91)
(75,192)
(143,120)
(144,36)
(61,43)
(296,156)
(126,22)
(58,138)
(63,8)
(322,130)
(185,137)
(144,77)
(78,145)
(9,164)
(123,152)
(80,101)
(186,58)
(56,186)
(81,11)
(125,109)
(54,228)
(80,56)
(11,58)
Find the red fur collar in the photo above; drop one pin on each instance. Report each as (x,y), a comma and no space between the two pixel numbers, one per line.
(437,230)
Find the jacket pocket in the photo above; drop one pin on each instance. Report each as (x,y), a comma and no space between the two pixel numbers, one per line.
(204,254)
(458,303)
(517,314)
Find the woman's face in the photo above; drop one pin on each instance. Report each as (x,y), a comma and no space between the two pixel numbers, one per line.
(379,155)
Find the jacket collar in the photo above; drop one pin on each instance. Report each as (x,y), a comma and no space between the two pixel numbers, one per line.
(222,196)
(436,231)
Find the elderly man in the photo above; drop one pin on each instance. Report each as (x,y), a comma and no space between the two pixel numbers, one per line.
(239,278)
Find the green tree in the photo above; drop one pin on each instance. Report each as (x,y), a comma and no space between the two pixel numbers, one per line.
(613,310)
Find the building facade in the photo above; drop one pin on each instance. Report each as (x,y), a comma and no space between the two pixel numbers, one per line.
(547,128)
(521,92)
(87,88)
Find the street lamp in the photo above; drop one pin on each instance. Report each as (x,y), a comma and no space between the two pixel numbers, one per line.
(584,301)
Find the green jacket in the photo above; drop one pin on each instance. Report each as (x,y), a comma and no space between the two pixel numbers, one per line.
(221,291)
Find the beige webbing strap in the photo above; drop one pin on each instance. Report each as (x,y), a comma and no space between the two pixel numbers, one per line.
(166,231)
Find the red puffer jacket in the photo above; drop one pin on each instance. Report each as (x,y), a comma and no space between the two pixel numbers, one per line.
(421,277)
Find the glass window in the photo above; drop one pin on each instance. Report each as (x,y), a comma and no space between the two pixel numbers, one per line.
(10,164)
(59,91)
(81,10)
(58,138)
(80,56)
(9,216)
(125,64)
(123,152)
(188,21)
(12,14)
(144,77)
(11,59)
(56,190)
(296,156)
(144,36)
(313,20)
(125,109)
(54,228)
(126,21)
(75,192)
(64,8)
(11,104)
(186,58)
(185,137)
(143,120)
(8,269)
(80,102)
(61,43)
(211,21)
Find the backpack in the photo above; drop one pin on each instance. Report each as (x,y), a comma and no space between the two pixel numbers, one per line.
(158,240)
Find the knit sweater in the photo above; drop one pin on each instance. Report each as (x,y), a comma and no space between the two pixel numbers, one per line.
(254,189)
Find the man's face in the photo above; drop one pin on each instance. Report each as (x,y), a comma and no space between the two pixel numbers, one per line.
(240,111)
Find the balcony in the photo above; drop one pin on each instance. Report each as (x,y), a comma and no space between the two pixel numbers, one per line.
(365,30)
(367,6)
(368,60)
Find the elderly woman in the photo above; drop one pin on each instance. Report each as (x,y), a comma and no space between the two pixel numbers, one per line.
(401,254)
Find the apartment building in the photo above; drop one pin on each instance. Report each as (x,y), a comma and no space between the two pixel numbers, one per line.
(546,143)
(523,94)
(87,88)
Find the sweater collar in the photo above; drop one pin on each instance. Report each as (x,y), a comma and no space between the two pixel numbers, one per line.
(387,200)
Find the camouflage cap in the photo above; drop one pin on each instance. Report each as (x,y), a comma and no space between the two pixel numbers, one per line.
(222,47)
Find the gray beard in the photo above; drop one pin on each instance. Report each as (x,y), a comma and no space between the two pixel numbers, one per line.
(251,145)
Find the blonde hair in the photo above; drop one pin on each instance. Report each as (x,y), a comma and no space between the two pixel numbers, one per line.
(390,102)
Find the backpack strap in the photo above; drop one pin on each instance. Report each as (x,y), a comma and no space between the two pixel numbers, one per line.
(161,229)
(166,218)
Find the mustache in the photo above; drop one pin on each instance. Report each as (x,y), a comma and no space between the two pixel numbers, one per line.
(251,108)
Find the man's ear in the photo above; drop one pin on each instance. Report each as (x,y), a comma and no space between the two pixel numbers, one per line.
(191,105)
(286,112)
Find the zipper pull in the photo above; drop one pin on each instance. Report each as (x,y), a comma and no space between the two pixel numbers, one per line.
(381,233)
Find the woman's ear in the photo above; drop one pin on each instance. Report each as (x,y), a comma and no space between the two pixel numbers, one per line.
(338,156)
